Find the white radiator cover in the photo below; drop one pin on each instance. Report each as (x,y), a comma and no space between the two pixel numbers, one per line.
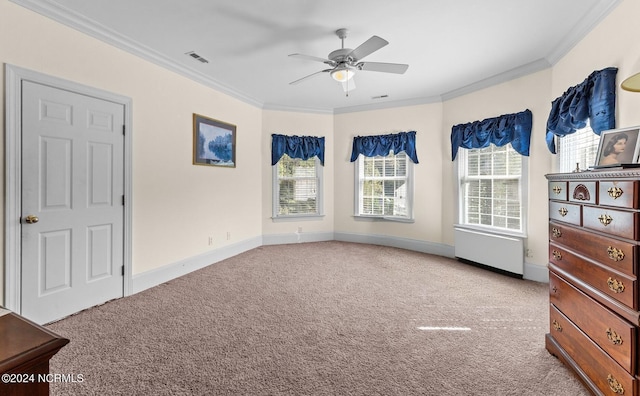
(497,251)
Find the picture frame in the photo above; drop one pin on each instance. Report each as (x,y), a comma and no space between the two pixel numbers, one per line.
(618,147)
(214,142)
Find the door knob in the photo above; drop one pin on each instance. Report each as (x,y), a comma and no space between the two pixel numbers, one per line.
(31,219)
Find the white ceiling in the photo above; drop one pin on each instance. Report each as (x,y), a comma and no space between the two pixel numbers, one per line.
(452,47)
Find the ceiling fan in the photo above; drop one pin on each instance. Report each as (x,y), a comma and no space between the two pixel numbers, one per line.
(345,62)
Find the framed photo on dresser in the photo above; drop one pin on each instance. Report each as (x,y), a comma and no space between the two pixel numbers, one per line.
(618,147)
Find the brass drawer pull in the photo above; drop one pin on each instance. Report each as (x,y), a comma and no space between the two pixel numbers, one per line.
(615,254)
(563,211)
(556,232)
(556,325)
(614,385)
(615,192)
(605,219)
(615,285)
(557,255)
(614,337)
(557,190)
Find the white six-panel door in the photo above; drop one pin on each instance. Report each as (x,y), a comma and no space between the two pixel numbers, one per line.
(72,202)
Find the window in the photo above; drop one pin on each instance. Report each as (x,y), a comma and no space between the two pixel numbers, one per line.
(491,188)
(384,186)
(297,187)
(580,147)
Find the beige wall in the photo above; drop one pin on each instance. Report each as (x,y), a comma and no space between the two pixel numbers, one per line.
(301,124)
(614,42)
(426,120)
(177,206)
(435,181)
(529,92)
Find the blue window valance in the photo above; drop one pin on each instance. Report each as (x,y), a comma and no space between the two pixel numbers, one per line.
(303,147)
(509,128)
(371,146)
(594,100)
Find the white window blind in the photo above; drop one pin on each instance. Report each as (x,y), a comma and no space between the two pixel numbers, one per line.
(297,185)
(577,149)
(383,186)
(491,187)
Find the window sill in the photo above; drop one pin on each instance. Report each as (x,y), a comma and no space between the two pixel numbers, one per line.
(306,217)
(383,218)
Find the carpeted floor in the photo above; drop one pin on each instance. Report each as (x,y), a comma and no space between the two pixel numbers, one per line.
(326,318)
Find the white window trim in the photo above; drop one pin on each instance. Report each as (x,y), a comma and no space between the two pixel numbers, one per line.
(524,201)
(297,217)
(410,189)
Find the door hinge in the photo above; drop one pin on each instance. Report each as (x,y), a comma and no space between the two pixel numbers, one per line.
(123,270)
(123,200)
(123,128)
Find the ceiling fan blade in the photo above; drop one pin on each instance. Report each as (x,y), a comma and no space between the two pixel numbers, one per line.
(397,68)
(309,76)
(368,47)
(313,58)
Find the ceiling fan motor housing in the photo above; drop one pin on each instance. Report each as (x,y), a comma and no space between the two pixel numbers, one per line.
(340,55)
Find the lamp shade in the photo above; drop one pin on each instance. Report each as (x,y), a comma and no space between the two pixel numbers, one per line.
(342,74)
(631,83)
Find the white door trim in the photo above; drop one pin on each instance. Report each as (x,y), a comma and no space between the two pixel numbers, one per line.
(14,76)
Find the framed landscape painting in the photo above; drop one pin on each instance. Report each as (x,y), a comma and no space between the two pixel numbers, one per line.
(214,142)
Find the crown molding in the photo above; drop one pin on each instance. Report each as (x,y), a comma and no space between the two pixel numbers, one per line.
(72,19)
(587,23)
(521,71)
(296,109)
(388,104)
(65,16)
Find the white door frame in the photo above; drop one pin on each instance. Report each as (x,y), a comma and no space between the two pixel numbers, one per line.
(14,76)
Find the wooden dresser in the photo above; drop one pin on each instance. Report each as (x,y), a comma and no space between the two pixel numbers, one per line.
(594,234)
(25,350)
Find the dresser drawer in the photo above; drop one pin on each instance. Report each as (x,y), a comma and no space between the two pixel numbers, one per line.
(611,252)
(569,213)
(618,286)
(605,373)
(613,334)
(614,222)
(584,192)
(623,194)
(558,190)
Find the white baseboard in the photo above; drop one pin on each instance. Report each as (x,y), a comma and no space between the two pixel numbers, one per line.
(532,272)
(158,276)
(296,237)
(168,272)
(535,272)
(438,249)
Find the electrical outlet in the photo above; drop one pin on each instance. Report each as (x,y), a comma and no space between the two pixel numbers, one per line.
(299,230)
(210,240)
(228,235)
(528,253)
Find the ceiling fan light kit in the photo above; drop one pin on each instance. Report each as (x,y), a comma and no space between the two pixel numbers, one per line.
(344,61)
(342,74)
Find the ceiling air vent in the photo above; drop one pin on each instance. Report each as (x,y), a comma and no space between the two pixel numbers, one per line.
(197,57)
